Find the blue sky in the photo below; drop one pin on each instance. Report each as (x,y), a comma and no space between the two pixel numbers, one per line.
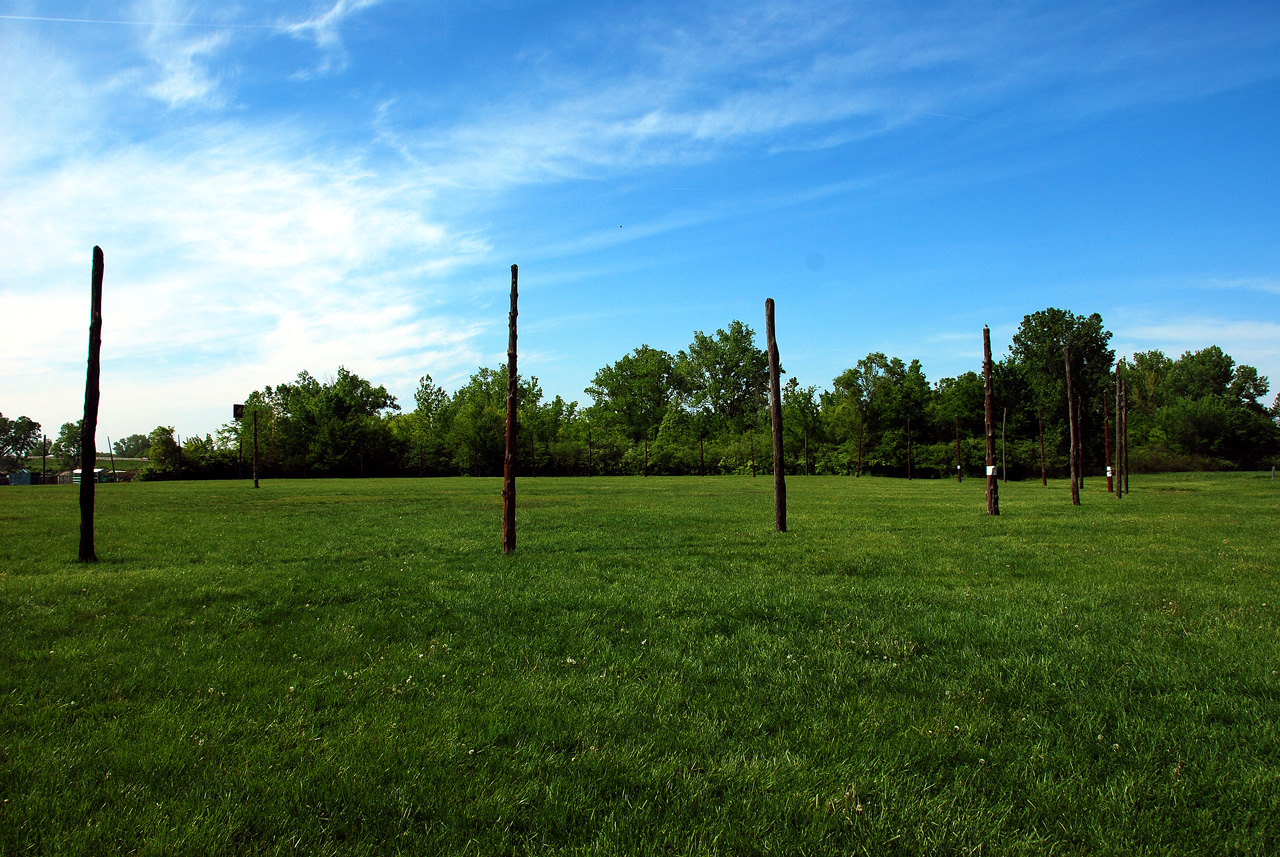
(281,186)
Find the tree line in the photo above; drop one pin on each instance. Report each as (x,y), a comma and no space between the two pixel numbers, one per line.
(703,410)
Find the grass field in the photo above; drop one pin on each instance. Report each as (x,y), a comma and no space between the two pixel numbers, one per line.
(353,667)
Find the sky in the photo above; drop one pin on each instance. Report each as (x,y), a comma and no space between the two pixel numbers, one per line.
(283,186)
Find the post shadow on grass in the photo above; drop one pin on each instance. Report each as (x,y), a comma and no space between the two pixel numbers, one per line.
(89,428)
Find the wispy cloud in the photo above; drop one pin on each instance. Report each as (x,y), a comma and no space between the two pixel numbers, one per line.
(324,27)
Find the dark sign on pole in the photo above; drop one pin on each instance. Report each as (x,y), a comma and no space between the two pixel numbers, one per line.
(237,412)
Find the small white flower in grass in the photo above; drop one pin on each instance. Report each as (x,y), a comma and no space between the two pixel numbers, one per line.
(1115,747)
(291,688)
(570,661)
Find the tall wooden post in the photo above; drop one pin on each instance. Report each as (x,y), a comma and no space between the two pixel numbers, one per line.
(255,447)
(1071,426)
(959,474)
(509,459)
(752,432)
(590,454)
(112,451)
(89,429)
(1106,440)
(989,416)
(44,459)
(775,415)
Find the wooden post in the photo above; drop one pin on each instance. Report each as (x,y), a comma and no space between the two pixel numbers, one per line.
(255,447)
(509,459)
(179,458)
(44,459)
(89,429)
(1071,426)
(702,461)
(646,456)
(775,415)
(590,459)
(989,416)
(1106,440)
(752,432)
(1044,471)
(112,451)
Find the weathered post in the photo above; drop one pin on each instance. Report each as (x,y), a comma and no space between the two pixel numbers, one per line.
(1044,471)
(44,459)
(989,416)
(112,451)
(752,432)
(1106,440)
(509,459)
(959,475)
(1071,426)
(775,415)
(590,454)
(89,429)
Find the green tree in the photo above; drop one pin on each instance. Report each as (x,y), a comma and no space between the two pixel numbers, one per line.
(1037,349)
(133,446)
(725,377)
(17,438)
(66,447)
(636,391)
(801,412)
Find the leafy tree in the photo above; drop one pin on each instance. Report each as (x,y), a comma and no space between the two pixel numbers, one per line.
(1037,349)
(133,446)
(66,447)
(801,411)
(725,377)
(17,438)
(636,391)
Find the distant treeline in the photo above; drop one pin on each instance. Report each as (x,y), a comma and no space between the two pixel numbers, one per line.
(704,410)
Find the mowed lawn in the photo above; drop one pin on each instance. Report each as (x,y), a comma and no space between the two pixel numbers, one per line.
(353,667)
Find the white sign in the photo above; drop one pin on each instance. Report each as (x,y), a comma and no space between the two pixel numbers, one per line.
(991,470)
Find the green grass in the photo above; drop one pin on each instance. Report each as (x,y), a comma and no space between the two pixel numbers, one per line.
(353,667)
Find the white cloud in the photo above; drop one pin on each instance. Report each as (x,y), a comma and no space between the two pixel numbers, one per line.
(323,28)
(228,248)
